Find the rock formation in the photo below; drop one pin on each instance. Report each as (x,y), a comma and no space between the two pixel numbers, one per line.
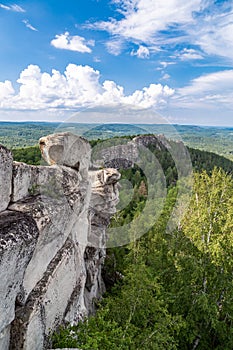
(53,222)
(127,153)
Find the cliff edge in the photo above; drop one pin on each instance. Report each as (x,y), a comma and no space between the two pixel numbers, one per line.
(53,222)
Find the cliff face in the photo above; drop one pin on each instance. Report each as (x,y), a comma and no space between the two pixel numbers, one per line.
(52,239)
(126,154)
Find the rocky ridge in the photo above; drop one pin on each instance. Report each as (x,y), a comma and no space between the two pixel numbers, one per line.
(127,153)
(53,222)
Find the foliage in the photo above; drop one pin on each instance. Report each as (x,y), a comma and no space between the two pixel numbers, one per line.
(29,155)
(24,134)
(203,160)
(212,139)
(167,290)
(95,333)
(176,292)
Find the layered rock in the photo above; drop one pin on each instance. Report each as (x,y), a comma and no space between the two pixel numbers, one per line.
(52,238)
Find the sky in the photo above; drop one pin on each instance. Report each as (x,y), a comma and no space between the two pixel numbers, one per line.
(173,58)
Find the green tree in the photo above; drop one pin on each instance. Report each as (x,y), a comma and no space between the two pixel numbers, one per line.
(176,291)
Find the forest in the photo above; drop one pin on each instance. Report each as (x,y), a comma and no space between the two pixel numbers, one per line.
(167,289)
(207,138)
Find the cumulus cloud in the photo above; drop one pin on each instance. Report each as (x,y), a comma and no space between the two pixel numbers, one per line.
(73,43)
(14,7)
(142,52)
(155,95)
(81,87)
(6,90)
(28,25)
(78,86)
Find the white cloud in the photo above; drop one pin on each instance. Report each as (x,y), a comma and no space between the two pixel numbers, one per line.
(165,76)
(142,52)
(17,8)
(78,87)
(6,90)
(14,7)
(155,95)
(209,91)
(72,43)
(4,7)
(215,35)
(189,54)
(96,59)
(165,64)
(142,19)
(28,25)
(114,46)
(206,24)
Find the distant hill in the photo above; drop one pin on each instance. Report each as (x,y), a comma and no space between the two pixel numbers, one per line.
(106,131)
(201,160)
(208,138)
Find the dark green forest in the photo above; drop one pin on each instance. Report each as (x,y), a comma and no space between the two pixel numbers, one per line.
(172,290)
(29,155)
(167,289)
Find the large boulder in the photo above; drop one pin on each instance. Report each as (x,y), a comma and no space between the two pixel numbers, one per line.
(66,149)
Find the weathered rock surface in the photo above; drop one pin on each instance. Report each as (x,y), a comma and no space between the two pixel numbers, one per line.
(114,156)
(47,304)
(56,210)
(52,241)
(104,195)
(66,149)
(53,181)
(125,155)
(104,198)
(18,237)
(5,176)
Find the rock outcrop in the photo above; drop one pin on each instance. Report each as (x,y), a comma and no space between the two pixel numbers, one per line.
(53,222)
(127,153)
(104,198)
(66,149)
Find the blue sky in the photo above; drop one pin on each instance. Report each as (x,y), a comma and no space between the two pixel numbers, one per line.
(172,57)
